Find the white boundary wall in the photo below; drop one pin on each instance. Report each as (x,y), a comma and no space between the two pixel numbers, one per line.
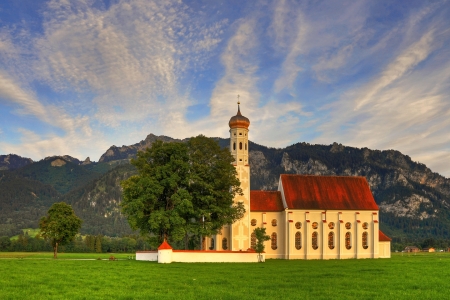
(169,255)
(147,255)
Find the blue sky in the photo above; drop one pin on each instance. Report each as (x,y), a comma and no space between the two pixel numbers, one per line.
(79,76)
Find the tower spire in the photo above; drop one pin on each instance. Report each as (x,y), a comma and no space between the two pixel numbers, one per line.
(239,109)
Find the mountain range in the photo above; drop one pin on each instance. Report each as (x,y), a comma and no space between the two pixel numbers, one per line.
(413,200)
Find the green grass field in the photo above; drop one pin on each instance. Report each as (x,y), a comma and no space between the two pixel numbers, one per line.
(407,276)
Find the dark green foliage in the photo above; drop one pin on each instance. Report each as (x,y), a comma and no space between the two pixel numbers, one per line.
(60,226)
(181,189)
(22,202)
(97,203)
(63,178)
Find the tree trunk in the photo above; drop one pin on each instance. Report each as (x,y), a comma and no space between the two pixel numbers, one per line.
(186,242)
(55,251)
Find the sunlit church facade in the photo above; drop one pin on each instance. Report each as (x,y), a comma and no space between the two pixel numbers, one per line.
(308,217)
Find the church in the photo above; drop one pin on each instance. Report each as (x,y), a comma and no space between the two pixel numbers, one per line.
(308,217)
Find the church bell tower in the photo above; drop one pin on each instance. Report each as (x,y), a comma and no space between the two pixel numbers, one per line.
(240,230)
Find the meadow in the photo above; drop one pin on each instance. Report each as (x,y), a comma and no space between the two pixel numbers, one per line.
(73,276)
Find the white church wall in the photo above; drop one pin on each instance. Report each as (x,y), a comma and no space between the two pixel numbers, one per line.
(147,255)
(323,220)
(264,220)
(214,256)
(384,250)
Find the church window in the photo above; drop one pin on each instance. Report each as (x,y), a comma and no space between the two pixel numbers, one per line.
(315,225)
(331,240)
(365,225)
(224,244)
(245,146)
(253,241)
(273,239)
(274,222)
(298,240)
(348,225)
(253,222)
(348,241)
(298,225)
(315,240)
(240,133)
(331,225)
(234,146)
(240,146)
(364,240)
(212,244)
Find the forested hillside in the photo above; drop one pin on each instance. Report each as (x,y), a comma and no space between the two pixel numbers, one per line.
(413,200)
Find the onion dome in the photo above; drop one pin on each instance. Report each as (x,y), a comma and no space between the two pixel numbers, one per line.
(239,121)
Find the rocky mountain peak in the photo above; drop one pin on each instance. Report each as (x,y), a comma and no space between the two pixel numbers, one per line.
(13,161)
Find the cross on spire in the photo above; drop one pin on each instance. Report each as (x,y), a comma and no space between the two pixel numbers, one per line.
(238,99)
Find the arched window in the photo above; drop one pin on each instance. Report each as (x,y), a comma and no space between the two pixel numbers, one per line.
(348,241)
(253,222)
(245,146)
(365,243)
(212,244)
(274,222)
(315,238)
(224,244)
(234,146)
(331,240)
(240,145)
(298,240)
(253,241)
(274,241)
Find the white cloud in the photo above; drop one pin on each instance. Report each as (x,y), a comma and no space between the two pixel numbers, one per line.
(131,56)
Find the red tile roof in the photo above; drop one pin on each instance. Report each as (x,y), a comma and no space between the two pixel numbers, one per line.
(164,246)
(382,237)
(327,192)
(266,201)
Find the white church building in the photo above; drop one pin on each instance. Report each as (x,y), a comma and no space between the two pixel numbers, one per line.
(308,217)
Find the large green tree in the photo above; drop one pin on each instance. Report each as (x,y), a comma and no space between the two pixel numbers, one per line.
(182,189)
(60,226)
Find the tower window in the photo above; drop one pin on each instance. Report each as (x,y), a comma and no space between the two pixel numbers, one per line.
(234,146)
(212,244)
(253,241)
(240,133)
(274,222)
(245,146)
(240,146)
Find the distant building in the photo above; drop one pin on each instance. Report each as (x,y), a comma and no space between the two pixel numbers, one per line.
(411,249)
(431,249)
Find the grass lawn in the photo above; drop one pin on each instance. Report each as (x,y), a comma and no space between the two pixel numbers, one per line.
(421,276)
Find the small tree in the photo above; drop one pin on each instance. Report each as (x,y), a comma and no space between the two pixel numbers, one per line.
(60,226)
(261,237)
